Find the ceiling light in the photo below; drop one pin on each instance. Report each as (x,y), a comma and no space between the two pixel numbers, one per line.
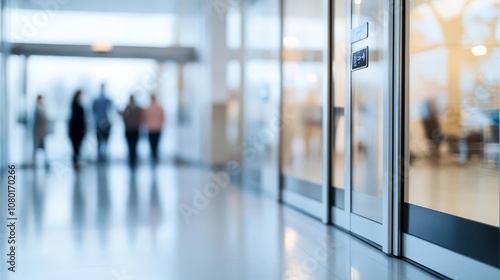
(102,47)
(291,42)
(479,50)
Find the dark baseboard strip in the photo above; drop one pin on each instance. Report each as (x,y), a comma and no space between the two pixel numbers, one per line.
(302,187)
(337,198)
(469,238)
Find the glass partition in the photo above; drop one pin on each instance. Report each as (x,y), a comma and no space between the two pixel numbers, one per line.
(262,120)
(452,198)
(303,41)
(339,95)
(368,91)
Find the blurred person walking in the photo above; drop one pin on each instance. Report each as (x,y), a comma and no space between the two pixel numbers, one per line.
(40,130)
(154,119)
(132,118)
(101,109)
(77,127)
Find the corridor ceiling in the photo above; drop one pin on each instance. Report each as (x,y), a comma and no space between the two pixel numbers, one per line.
(116,6)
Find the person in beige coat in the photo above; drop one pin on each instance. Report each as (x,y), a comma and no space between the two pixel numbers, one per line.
(153,120)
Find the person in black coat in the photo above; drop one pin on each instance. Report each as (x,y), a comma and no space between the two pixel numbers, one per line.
(77,126)
(132,118)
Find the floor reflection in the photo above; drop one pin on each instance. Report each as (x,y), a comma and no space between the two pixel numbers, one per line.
(38,191)
(78,213)
(103,204)
(107,220)
(155,208)
(132,207)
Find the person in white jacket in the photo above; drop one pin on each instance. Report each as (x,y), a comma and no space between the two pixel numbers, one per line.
(153,120)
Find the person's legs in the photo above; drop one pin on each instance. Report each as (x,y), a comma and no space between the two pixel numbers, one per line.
(134,140)
(76,150)
(46,156)
(100,140)
(102,144)
(35,150)
(105,138)
(154,138)
(128,136)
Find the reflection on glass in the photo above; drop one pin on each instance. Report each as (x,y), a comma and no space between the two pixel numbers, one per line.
(262,92)
(339,101)
(302,81)
(368,108)
(454,108)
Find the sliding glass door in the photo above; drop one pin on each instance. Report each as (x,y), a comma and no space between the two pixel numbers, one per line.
(451,202)
(303,67)
(361,119)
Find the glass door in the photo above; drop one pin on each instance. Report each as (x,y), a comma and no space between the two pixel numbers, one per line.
(451,195)
(302,107)
(369,65)
(365,208)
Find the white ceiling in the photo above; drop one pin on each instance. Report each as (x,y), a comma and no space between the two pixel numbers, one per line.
(125,6)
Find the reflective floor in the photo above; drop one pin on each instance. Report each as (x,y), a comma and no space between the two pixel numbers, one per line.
(176,223)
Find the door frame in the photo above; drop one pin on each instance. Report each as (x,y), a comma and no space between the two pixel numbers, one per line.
(384,235)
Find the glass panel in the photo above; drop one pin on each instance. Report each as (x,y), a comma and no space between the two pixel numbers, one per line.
(262,95)
(340,60)
(367,113)
(302,81)
(3,111)
(233,27)
(454,108)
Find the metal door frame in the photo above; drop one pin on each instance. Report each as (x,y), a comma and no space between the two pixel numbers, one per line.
(432,256)
(380,234)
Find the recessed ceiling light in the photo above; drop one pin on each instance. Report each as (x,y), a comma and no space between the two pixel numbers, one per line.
(479,50)
(102,47)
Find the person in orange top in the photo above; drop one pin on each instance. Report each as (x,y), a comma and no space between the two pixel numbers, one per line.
(153,120)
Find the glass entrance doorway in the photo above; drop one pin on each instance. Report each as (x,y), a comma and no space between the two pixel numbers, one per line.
(414,134)
(361,113)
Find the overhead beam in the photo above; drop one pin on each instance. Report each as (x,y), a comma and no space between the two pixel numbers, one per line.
(176,54)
